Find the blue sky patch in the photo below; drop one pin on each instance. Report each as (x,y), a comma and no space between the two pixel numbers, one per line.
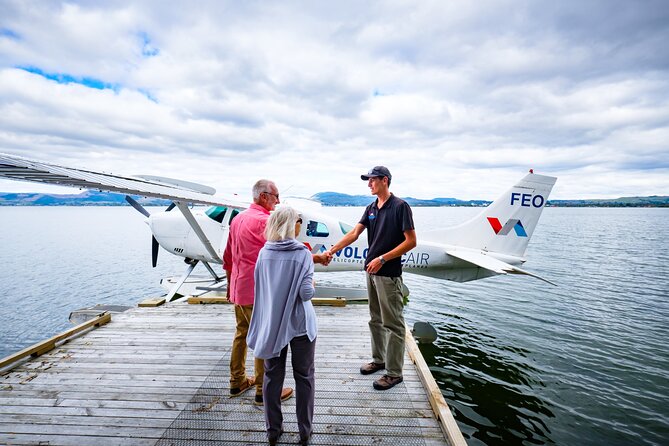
(148,95)
(6,32)
(148,50)
(63,78)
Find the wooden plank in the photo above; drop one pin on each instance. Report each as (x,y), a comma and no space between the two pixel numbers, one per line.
(152,302)
(201,300)
(163,409)
(329,301)
(51,398)
(49,344)
(77,423)
(164,419)
(71,440)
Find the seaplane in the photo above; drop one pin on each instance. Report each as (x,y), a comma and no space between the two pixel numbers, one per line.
(491,243)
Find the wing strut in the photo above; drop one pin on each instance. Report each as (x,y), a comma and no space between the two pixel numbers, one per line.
(183,207)
(217,278)
(175,288)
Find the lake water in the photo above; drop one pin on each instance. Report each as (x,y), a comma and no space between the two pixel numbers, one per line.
(519,361)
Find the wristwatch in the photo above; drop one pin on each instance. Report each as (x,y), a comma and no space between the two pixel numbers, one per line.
(382,260)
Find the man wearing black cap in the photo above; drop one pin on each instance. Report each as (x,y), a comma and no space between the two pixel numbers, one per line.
(390,233)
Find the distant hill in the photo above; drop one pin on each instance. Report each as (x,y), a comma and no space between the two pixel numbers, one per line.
(651,201)
(337,199)
(86,198)
(96,198)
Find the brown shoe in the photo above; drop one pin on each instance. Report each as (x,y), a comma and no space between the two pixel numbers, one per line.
(387,382)
(236,391)
(286,393)
(372,367)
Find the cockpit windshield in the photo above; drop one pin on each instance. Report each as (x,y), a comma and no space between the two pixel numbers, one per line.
(216,213)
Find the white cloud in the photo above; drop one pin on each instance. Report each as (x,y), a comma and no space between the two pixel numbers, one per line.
(457,98)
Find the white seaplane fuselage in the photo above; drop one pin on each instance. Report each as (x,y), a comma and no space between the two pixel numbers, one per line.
(471,251)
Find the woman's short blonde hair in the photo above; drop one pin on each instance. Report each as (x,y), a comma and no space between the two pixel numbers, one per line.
(281,224)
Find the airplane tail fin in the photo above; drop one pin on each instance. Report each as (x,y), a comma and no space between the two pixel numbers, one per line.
(507,224)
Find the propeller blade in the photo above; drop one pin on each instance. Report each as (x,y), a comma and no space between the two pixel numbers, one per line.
(137,206)
(170,207)
(154,251)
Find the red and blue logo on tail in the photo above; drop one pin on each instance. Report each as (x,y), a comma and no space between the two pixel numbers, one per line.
(504,230)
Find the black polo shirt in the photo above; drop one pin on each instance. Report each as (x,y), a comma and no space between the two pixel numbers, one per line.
(385,231)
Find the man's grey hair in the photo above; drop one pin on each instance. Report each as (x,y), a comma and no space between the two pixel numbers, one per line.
(260,187)
(281,224)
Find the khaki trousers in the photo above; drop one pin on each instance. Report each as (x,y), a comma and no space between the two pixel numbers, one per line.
(386,323)
(238,353)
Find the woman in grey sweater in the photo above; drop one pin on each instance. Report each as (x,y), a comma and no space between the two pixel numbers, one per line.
(283,315)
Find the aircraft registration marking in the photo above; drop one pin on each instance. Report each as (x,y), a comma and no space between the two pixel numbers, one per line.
(356,254)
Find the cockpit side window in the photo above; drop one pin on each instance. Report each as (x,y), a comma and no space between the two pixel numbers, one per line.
(317,229)
(233,214)
(216,213)
(344,227)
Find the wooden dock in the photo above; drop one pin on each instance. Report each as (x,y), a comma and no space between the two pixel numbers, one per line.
(161,376)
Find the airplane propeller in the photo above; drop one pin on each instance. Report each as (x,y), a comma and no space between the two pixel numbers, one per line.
(154,251)
(154,243)
(141,209)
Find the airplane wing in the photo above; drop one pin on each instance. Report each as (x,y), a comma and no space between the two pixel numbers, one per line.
(490,263)
(22,169)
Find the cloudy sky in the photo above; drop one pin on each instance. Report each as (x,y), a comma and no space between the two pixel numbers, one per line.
(458,98)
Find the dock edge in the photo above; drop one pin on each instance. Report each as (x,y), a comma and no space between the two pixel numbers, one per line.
(439,406)
(49,344)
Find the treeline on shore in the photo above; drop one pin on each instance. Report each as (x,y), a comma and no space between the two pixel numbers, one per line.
(96,198)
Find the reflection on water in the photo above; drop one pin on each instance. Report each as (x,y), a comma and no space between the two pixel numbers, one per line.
(490,385)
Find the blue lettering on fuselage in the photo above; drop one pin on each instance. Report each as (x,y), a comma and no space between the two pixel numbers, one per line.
(416,259)
(527,200)
(410,260)
(353,252)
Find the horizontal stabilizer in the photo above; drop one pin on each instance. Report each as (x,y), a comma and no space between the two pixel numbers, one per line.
(492,264)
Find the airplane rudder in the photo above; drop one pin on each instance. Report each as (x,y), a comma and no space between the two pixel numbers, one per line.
(508,223)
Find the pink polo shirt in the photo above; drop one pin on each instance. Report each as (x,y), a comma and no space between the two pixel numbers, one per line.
(246,238)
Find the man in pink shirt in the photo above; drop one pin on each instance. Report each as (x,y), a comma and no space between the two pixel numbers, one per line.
(246,238)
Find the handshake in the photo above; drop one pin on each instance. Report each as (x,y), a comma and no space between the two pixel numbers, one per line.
(324,258)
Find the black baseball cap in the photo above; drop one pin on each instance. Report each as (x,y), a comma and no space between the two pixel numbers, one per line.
(377,171)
